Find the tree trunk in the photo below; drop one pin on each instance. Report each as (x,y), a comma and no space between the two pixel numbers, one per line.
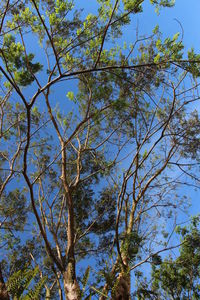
(123,285)
(122,290)
(3,290)
(71,286)
(48,294)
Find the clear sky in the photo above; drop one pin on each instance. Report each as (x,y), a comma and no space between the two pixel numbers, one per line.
(185,11)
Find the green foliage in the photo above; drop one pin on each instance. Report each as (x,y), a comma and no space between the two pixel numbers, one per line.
(193,64)
(131,244)
(177,278)
(84,281)
(18,61)
(162,3)
(156,259)
(70,95)
(19,282)
(13,207)
(134,5)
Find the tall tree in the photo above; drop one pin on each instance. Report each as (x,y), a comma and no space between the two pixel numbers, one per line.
(93,133)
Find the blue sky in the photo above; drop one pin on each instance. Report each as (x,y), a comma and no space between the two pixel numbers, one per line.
(185,11)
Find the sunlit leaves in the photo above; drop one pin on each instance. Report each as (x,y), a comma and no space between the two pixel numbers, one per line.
(70,95)
(18,61)
(162,3)
(194,63)
(133,5)
(168,50)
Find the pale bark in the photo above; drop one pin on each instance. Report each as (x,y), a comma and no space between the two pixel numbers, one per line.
(71,286)
(48,294)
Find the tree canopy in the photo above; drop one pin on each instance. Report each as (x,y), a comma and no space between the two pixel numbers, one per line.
(99,136)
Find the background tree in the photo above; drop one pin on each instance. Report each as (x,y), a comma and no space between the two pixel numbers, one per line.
(93,133)
(177,278)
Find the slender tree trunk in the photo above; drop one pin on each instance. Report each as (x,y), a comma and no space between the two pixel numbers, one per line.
(72,290)
(48,294)
(71,286)
(123,284)
(3,290)
(122,290)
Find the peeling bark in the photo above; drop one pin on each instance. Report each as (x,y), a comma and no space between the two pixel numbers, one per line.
(71,286)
